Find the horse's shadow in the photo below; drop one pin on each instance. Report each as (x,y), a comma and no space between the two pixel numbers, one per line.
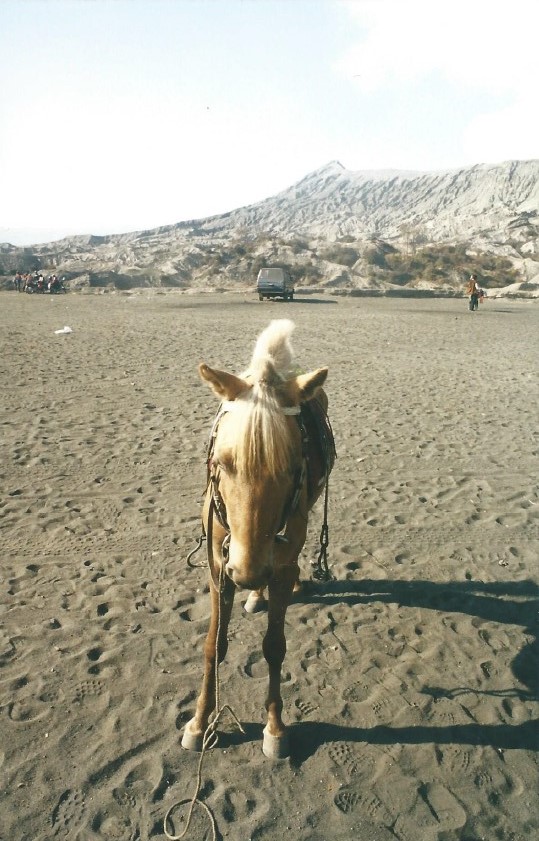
(510,602)
(514,603)
(306,737)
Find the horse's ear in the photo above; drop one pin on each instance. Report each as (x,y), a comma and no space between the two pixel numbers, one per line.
(224,385)
(308,384)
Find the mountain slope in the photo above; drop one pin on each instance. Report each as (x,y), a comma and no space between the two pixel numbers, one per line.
(333,202)
(484,209)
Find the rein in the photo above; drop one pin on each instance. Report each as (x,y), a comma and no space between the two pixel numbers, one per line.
(210,735)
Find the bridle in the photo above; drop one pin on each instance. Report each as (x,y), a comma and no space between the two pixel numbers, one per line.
(217,505)
(213,474)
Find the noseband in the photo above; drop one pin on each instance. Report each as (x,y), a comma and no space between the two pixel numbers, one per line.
(218,502)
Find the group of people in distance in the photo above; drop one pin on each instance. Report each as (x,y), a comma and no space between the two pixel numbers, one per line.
(36,282)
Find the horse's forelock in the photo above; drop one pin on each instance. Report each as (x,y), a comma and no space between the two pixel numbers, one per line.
(264,373)
(262,440)
(274,346)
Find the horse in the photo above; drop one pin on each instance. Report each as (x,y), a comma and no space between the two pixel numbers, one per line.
(270,454)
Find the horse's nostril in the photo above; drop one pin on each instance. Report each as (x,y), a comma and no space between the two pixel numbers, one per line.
(248,581)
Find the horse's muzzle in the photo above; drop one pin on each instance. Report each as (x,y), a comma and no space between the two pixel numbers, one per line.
(252,580)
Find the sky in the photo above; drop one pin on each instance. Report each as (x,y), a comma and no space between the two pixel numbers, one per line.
(122,115)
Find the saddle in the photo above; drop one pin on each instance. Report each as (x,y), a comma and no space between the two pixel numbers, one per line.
(320,452)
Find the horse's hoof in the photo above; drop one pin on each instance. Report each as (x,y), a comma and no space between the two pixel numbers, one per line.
(275,747)
(192,739)
(255,603)
(298,591)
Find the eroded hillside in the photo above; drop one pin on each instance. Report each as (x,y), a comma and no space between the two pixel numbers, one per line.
(335,228)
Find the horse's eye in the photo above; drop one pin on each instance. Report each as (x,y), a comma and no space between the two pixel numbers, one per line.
(226,465)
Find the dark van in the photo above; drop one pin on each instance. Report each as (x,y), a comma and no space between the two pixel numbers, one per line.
(274,283)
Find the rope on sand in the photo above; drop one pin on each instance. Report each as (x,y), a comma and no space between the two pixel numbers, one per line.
(209,741)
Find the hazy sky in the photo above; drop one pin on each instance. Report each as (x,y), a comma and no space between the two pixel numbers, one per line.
(117,115)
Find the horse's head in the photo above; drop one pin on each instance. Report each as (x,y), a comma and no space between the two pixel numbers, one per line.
(257,462)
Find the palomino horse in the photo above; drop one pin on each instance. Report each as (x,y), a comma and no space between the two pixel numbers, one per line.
(271,451)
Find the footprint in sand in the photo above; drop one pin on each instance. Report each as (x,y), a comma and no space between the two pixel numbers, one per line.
(90,690)
(94,654)
(513,519)
(381,707)
(447,810)
(8,649)
(52,695)
(237,806)
(27,711)
(199,610)
(359,691)
(352,762)
(453,759)
(358,798)
(118,819)
(68,815)
(497,782)
(447,712)
(305,707)
(430,813)
(199,826)
(257,667)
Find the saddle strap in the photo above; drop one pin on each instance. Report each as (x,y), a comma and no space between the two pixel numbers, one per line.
(321,451)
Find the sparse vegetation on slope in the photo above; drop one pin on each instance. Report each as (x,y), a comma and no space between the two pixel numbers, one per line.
(441,265)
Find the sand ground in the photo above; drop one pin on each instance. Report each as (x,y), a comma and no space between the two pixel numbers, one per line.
(410,682)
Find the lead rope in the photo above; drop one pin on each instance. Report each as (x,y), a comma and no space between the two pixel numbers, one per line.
(321,570)
(200,541)
(209,739)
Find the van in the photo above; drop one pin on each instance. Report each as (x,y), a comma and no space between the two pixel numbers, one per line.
(274,283)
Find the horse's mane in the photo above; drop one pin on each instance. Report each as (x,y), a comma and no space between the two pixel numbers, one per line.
(262,437)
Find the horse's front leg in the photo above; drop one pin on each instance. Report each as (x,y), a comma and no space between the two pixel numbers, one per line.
(275,744)
(193,735)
